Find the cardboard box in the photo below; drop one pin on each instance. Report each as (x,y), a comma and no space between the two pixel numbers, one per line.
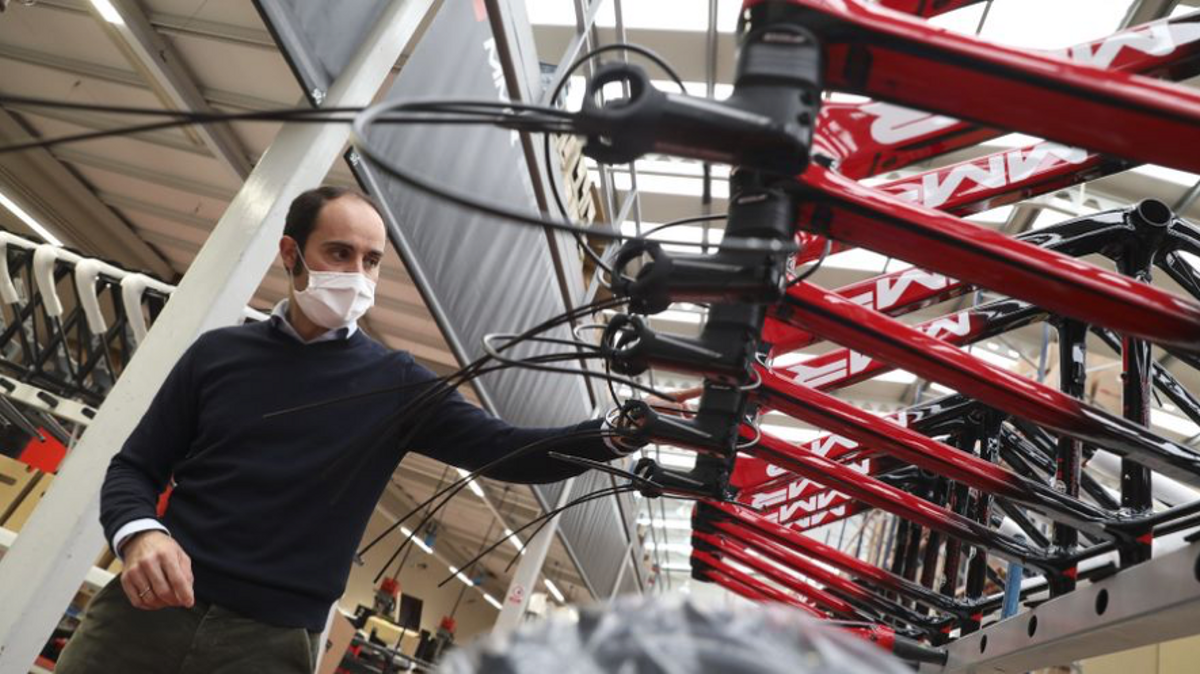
(336,643)
(16,480)
(20,515)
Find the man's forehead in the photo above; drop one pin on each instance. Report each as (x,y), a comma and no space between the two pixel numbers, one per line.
(347,218)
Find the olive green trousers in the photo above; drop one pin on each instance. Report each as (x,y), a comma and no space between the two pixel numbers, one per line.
(204,639)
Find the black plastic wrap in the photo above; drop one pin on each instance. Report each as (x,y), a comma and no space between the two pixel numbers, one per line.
(639,636)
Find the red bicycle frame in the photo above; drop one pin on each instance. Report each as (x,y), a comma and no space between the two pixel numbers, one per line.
(1074,100)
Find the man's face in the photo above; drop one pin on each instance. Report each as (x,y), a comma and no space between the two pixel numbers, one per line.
(348,236)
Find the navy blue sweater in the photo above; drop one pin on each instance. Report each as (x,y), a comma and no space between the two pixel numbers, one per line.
(268,514)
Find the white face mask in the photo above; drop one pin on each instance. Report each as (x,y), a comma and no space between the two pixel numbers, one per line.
(334,299)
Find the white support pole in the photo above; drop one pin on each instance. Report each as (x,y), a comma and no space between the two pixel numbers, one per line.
(45,566)
(626,562)
(524,581)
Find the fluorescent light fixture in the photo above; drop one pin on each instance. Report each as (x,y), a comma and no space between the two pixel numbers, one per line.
(791,433)
(1192,260)
(514,540)
(658,184)
(28,219)
(896,377)
(416,539)
(1174,423)
(460,575)
(685,525)
(554,590)
(492,600)
(472,485)
(1170,175)
(938,388)
(1012,140)
(1061,23)
(681,548)
(859,259)
(108,12)
(673,460)
(994,358)
(680,316)
(667,15)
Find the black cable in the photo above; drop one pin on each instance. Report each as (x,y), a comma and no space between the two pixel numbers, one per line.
(547,519)
(556,120)
(387,113)
(540,327)
(360,139)
(634,479)
(474,370)
(453,488)
(491,351)
(449,492)
(391,425)
(558,87)
(685,221)
(543,519)
(616,491)
(815,265)
(675,223)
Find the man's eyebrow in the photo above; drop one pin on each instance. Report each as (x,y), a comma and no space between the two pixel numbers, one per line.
(346,244)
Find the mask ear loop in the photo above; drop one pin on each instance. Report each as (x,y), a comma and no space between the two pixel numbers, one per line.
(291,273)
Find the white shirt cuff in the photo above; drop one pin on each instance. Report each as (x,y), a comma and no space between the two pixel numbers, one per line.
(135,527)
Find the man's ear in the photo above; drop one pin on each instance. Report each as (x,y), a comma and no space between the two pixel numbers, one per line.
(288,252)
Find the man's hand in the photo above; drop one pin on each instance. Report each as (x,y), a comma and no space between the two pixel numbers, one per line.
(158,573)
(676,405)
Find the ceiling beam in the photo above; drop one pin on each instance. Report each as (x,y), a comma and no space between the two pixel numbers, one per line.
(168,76)
(174,24)
(94,161)
(162,139)
(102,73)
(56,195)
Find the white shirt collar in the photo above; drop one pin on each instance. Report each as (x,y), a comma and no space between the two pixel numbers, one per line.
(279,317)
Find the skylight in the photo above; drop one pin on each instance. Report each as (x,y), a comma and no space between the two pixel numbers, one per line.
(678,15)
(1038,24)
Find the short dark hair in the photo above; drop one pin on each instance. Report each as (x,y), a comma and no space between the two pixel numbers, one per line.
(302,214)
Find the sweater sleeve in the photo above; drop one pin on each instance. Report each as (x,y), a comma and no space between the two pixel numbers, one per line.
(458,433)
(140,471)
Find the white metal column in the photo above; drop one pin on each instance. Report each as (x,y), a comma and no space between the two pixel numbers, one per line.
(44,568)
(524,581)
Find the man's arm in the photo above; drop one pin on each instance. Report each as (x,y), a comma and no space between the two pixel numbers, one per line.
(157,571)
(459,433)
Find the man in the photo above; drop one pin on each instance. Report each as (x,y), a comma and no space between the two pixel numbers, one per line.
(267,510)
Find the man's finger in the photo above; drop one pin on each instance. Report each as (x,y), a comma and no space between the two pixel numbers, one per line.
(181,587)
(134,582)
(158,581)
(185,563)
(152,602)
